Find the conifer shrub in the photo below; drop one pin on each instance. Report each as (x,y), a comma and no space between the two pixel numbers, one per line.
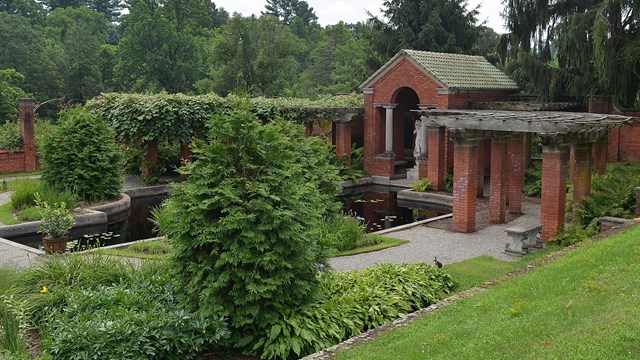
(80,155)
(245,223)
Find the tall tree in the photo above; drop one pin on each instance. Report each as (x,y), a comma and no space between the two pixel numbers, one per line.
(30,9)
(597,42)
(162,45)
(433,25)
(80,33)
(9,92)
(256,56)
(25,49)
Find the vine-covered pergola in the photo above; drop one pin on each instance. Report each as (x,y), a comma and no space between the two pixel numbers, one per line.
(147,119)
(583,132)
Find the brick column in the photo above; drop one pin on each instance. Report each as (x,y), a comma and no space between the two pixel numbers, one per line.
(371,130)
(516,173)
(582,176)
(185,154)
(343,141)
(465,172)
(481,160)
(436,167)
(613,146)
(26,108)
(498,182)
(554,191)
(151,158)
(600,156)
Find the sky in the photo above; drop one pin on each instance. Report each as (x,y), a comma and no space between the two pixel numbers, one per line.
(351,11)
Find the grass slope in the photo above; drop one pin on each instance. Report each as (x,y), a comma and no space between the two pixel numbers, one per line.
(585,305)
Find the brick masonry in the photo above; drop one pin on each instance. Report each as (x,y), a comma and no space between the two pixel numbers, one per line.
(498,182)
(343,141)
(516,173)
(581,175)
(465,187)
(24,159)
(554,191)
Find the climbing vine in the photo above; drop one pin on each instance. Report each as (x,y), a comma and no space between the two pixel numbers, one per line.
(178,117)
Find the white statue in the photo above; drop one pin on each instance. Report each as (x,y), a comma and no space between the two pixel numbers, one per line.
(417,149)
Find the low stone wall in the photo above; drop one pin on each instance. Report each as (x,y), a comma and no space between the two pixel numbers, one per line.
(426,198)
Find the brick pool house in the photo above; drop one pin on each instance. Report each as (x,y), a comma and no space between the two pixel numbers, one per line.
(418,110)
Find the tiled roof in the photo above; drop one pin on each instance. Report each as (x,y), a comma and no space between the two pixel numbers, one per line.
(454,71)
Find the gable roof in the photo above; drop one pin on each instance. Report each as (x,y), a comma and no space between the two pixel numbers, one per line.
(453,71)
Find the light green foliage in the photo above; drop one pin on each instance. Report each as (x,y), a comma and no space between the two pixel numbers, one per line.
(10,137)
(354,301)
(11,340)
(9,93)
(579,306)
(56,218)
(62,277)
(342,232)
(156,247)
(24,192)
(244,224)
(139,317)
(421,185)
(81,156)
(177,117)
(612,194)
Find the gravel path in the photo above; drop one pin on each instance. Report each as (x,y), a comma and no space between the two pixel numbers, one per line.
(428,242)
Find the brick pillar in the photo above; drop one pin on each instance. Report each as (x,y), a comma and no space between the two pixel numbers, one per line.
(343,141)
(582,176)
(554,191)
(26,108)
(185,154)
(600,156)
(308,129)
(151,158)
(465,186)
(498,182)
(481,160)
(436,167)
(371,130)
(516,173)
(613,146)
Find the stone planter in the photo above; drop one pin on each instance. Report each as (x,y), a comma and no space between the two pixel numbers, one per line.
(54,245)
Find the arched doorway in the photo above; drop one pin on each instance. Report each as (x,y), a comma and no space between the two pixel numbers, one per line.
(404,119)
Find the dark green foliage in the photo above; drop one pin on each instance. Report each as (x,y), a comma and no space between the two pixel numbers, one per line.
(168,158)
(81,156)
(533,180)
(354,301)
(244,225)
(421,185)
(448,181)
(612,194)
(10,137)
(575,233)
(139,317)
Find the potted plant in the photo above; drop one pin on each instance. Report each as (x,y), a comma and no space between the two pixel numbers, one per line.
(56,223)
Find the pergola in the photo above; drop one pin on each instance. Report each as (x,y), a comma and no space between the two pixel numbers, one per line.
(585,133)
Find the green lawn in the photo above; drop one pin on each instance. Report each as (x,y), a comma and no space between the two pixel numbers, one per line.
(585,305)
(6,214)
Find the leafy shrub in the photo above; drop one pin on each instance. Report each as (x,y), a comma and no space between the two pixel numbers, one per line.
(575,233)
(24,192)
(421,185)
(80,155)
(138,318)
(612,193)
(56,219)
(10,337)
(62,277)
(448,181)
(356,170)
(32,213)
(10,137)
(243,225)
(533,180)
(354,302)
(342,232)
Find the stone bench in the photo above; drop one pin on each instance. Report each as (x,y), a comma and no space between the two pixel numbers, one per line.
(523,238)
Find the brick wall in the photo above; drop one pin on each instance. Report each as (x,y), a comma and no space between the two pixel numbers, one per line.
(465,171)
(623,144)
(11,161)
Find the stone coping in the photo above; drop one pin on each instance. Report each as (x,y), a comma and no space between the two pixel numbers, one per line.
(26,248)
(146,191)
(426,197)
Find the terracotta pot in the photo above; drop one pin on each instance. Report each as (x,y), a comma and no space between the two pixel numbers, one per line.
(55,245)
